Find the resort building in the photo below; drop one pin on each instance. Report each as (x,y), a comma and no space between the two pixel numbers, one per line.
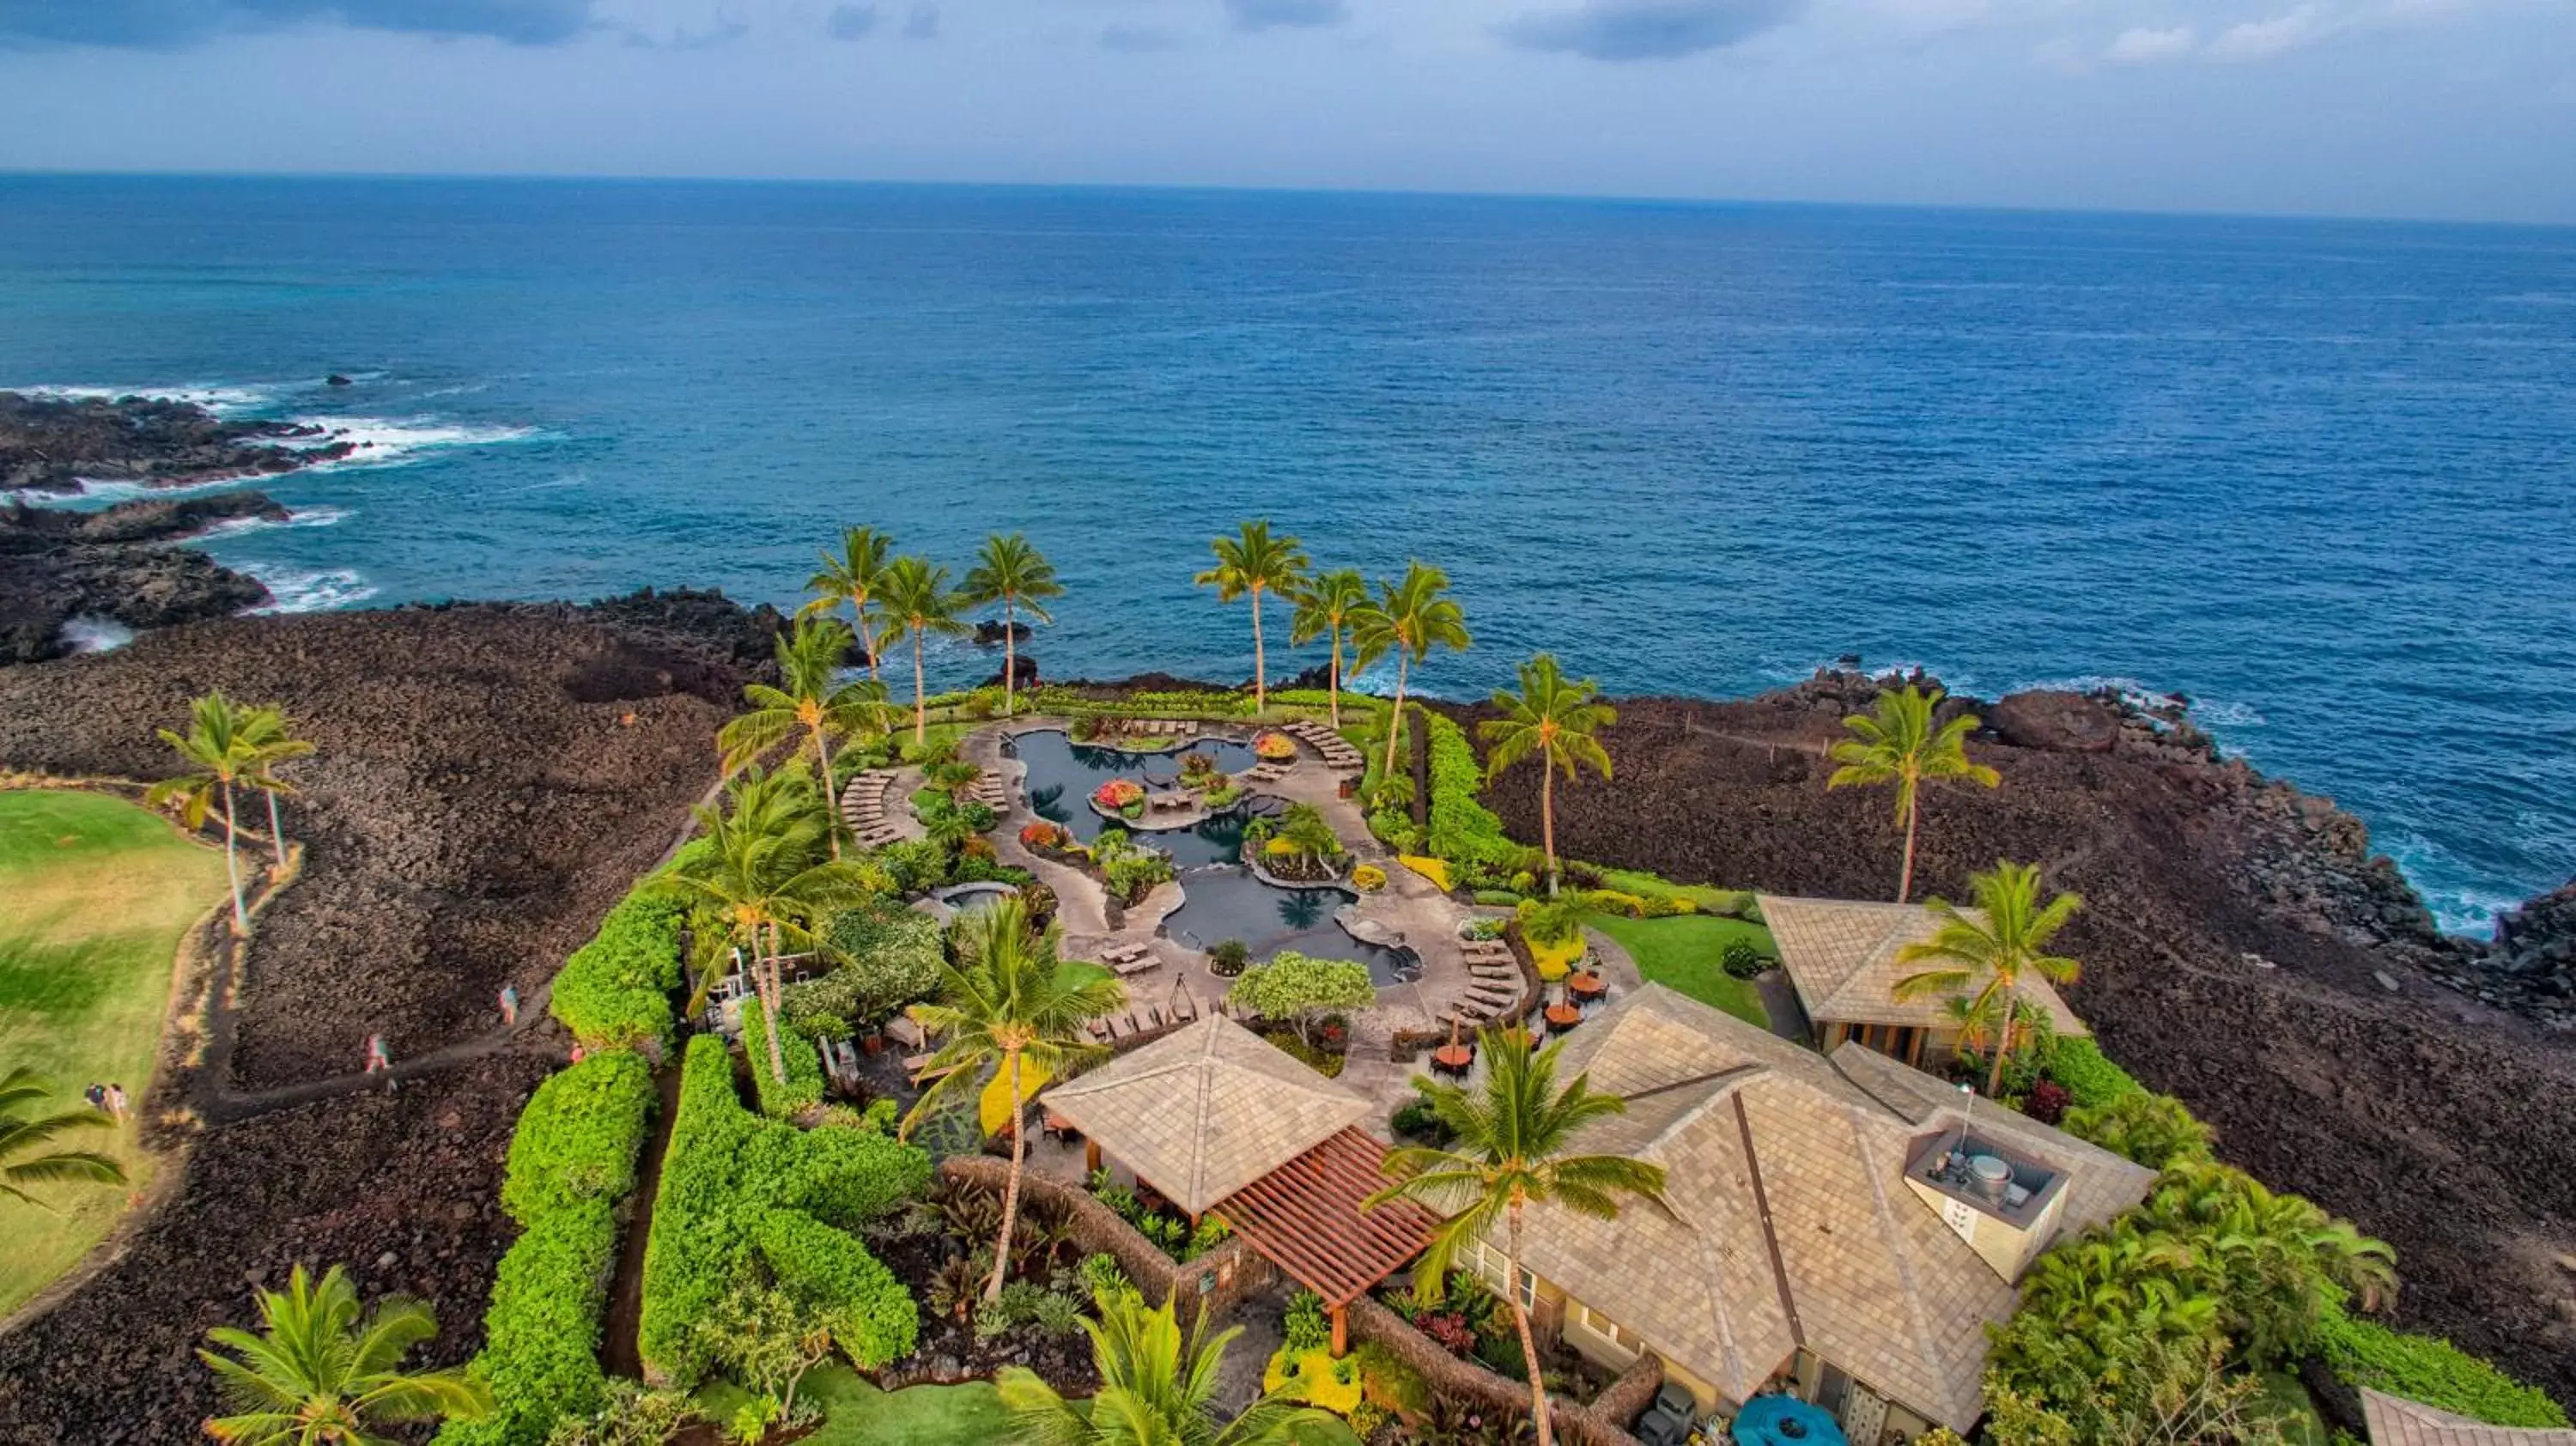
(1843,1227)
(1840,955)
(2395,1421)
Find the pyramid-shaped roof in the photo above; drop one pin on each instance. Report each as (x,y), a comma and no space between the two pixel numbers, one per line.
(1840,955)
(1206,1110)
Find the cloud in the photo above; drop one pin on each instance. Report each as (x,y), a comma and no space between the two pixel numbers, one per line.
(1137,40)
(1266,14)
(1647,29)
(849,22)
(2264,39)
(2143,46)
(168,24)
(922,23)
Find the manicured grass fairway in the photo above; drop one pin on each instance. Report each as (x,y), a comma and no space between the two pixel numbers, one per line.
(1684,952)
(94,894)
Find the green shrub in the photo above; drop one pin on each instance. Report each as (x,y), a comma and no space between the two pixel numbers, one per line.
(1463,831)
(579,1136)
(1742,960)
(892,959)
(541,1349)
(1303,1326)
(803,1087)
(616,990)
(2433,1371)
(2152,1129)
(1389,1383)
(726,1174)
(2091,1079)
(871,1313)
(1503,897)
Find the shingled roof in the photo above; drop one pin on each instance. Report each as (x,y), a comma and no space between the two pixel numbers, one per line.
(2396,1421)
(1206,1110)
(1840,955)
(1788,1220)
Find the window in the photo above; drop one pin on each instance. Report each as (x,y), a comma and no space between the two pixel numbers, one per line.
(1495,1267)
(1610,1330)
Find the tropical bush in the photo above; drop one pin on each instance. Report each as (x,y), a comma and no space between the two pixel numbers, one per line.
(726,1173)
(1293,989)
(1742,960)
(579,1136)
(1368,878)
(1227,957)
(2152,1129)
(1302,1325)
(1123,796)
(1388,1383)
(2089,1075)
(890,957)
(1275,747)
(1463,830)
(616,989)
(1044,837)
(1132,876)
(540,1352)
(2431,1370)
(1314,1377)
(1436,870)
(802,1090)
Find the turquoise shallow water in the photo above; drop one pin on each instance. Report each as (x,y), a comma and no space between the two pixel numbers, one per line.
(2320,476)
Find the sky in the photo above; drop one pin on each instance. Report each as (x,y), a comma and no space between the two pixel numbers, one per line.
(2452,109)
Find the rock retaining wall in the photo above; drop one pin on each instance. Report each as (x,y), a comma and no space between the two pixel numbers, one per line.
(1594,1425)
(1222,1278)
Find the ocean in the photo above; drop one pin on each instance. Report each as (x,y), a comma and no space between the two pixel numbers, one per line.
(2318,476)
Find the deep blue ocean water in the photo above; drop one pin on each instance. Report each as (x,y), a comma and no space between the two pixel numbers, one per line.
(2320,476)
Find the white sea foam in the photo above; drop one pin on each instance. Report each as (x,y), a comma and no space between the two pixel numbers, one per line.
(221,400)
(307,517)
(90,633)
(301,591)
(393,441)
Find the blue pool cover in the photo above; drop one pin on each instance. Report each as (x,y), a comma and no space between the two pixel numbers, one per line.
(1785,1421)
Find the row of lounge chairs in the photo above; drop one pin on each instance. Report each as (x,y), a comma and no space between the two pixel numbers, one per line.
(1267,772)
(1337,750)
(1160,728)
(863,806)
(1130,959)
(1146,1017)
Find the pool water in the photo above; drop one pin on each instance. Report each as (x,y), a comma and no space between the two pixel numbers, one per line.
(1229,903)
(1063,774)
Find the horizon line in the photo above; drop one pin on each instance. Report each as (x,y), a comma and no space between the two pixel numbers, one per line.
(1245,189)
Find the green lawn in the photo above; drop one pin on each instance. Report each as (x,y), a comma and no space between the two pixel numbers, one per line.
(1649,886)
(1683,952)
(858,1414)
(99,891)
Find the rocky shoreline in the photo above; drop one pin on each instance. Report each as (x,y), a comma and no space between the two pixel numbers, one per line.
(56,444)
(57,565)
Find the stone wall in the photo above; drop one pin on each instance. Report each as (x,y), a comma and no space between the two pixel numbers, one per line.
(1599,1424)
(1235,1270)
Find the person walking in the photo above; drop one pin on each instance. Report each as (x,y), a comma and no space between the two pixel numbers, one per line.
(96,1094)
(509,1004)
(116,1103)
(378,1061)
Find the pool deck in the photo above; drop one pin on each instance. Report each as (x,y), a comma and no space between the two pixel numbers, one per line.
(1410,909)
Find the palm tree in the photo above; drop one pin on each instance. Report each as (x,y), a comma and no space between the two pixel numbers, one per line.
(215,744)
(1514,1148)
(1409,619)
(325,1373)
(1010,572)
(1009,1001)
(811,703)
(852,578)
(22,1132)
(1895,743)
(270,737)
(760,871)
(1988,960)
(1158,1387)
(917,600)
(1248,566)
(1325,607)
(1560,721)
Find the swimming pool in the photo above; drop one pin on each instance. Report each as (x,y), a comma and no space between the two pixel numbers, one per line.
(1227,902)
(1063,773)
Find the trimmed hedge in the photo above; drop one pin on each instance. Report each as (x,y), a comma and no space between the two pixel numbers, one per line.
(1463,831)
(615,990)
(2088,1074)
(726,1177)
(579,1137)
(803,1088)
(541,1352)
(2433,1371)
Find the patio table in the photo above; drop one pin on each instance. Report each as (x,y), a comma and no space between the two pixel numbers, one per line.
(1452,1059)
(1586,986)
(1562,1017)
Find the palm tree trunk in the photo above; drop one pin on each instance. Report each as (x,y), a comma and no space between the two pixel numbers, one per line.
(1529,1344)
(2003,1046)
(1010,655)
(920,696)
(867,641)
(1395,718)
(1905,879)
(764,979)
(831,803)
(1334,679)
(276,830)
(1011,1189)
(1260,693)
(232,867)
(1547,819)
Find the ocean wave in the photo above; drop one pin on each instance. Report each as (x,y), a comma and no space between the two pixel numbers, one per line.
(221,400)
(305,517)
(90,633)
(300,591)
(394,441)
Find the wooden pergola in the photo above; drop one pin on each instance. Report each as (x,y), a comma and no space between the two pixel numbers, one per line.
(1305,1218)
